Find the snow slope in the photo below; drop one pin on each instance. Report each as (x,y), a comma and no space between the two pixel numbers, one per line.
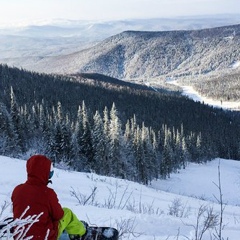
(146,211)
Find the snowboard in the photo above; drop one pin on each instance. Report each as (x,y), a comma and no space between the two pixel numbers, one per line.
(97,233)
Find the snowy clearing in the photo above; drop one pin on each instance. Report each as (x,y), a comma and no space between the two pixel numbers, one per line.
(191,93)
(164,210)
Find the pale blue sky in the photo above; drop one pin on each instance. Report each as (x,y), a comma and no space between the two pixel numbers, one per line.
(18,11)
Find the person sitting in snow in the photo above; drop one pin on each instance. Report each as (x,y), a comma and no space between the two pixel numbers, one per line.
(42,201)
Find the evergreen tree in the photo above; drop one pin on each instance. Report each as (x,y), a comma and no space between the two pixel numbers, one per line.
(99,145)
(86,138)
(147,151)
(30,126)
(17,125)
(155,155)
(80,160)
(7,144)
(45,128)
(56,143)
(167,155)
(115,144)
(106,131)
(130,164)
(179,160)
(66,139)
(141,173)
(185,153)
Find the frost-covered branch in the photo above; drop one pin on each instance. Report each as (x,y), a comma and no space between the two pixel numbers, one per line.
(19,227)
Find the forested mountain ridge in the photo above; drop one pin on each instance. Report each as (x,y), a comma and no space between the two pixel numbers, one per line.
(105,80)
(93,125)
(152,55)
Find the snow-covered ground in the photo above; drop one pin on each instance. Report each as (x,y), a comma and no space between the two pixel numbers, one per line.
(167,209)
(191,93)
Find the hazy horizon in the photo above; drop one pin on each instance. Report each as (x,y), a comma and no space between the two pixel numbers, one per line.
(14,12)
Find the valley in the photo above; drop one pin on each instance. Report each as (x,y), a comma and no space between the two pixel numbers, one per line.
(206,59)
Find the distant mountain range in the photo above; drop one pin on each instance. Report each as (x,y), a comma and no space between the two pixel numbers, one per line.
(60,36)
(78,47)
(99,30)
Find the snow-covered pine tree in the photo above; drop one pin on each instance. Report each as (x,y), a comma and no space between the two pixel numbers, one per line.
(99,145)
(116,140)
(7,145)
(129,159)
(167,155)
(107,166)
(17,124)
(86,139)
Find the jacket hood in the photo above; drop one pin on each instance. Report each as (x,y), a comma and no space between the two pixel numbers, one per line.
(38,169)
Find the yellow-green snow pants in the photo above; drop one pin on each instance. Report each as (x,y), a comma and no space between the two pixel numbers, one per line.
(71,224)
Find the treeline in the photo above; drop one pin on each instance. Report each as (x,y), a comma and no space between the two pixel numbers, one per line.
(132,134)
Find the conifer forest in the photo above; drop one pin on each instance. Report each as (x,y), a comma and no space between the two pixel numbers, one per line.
(110,128)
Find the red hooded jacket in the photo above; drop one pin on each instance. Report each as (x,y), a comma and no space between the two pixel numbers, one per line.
(40,199)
